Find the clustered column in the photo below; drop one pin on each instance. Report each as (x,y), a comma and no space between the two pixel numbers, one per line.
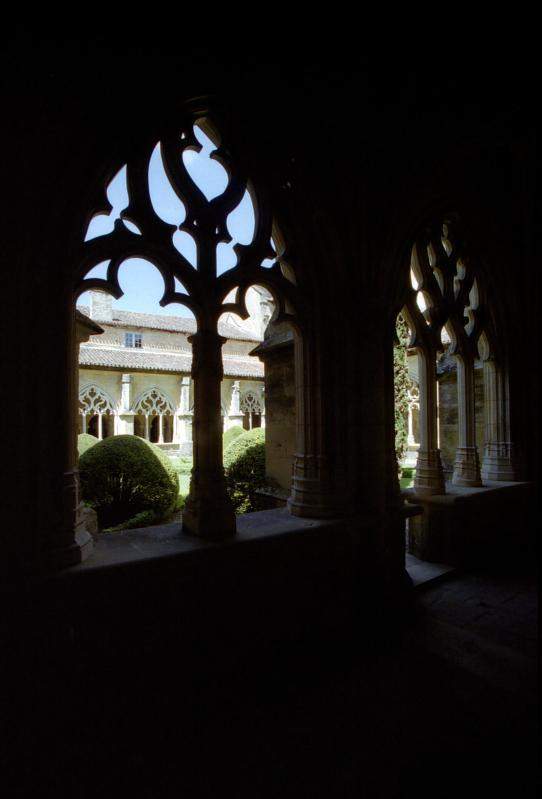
(311,495)
(467,465)
(498,460)
(429,474)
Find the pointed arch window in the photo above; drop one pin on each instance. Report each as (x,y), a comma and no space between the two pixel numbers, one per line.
(195,237)
(448,312)
(252,409)
(96,411)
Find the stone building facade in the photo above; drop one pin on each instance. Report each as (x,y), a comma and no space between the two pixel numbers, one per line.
(135,376)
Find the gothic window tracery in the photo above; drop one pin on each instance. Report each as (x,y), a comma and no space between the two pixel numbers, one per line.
(251,403)
(93,400)
(159,208)
(252,409)
(450,321)
(153,403)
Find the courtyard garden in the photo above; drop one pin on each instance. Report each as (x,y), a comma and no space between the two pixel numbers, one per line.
(129,482)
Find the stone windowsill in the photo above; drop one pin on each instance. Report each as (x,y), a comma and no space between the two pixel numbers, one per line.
(167,541)
(460,494)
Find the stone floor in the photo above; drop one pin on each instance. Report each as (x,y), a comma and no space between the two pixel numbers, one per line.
(422,573)
(446,707)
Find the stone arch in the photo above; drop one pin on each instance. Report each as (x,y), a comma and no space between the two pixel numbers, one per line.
(446,302)
(153,416)
(97,411)
(251,406)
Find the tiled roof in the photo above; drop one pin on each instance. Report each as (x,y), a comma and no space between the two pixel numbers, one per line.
(152,361)
(176,324)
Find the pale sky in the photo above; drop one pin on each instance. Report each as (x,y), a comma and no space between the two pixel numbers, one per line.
(140,280)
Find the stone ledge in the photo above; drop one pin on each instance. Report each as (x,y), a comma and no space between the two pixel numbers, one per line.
(168,542)
(459,494)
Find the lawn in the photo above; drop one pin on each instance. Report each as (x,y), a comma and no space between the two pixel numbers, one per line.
(183,467)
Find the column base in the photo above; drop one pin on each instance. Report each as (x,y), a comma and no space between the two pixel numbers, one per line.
(64,557)
(208,512)
(497,463)
(309,498)
(429,478)
(467,468)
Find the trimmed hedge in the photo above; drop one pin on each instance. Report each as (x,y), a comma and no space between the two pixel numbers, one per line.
(230,435)
(85,441)
(125,476)
(244,465)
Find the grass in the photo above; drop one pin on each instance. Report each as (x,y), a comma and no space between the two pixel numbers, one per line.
(183,467)
(407,477)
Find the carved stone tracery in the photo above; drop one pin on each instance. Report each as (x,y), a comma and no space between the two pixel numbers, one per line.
(251,403)
(446,308)
(138,230)
(153,403)
(93,400)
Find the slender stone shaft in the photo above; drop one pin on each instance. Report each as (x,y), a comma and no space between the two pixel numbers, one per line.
(429,475)
(208,512)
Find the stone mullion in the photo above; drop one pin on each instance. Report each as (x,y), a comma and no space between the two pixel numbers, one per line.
(467,465)
(429,474)
(208,512)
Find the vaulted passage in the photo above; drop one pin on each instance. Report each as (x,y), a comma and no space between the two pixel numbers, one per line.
(272,424)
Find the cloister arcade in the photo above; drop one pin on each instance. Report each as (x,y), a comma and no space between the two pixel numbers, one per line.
(448,308)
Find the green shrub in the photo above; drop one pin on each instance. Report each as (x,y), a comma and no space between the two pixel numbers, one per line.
(244,465)
(230,435)
(124,476)
(182,465)
(85,441)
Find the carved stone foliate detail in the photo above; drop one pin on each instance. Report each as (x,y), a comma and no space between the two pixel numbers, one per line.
(93,400)
(153,403)
(139,224)
(250,403)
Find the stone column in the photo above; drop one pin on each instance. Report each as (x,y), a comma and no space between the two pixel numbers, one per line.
(84,422)
(262,402)
(235,417)
(126,392)
(467,465)
(429,475)
(161,428)
(100,427)
(410,437)
(312,495)
(72,542)
(208,511)
(147,426)
(125,418)
(184,418)
(498,460)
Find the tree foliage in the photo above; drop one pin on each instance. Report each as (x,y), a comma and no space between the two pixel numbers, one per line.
(402,385)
